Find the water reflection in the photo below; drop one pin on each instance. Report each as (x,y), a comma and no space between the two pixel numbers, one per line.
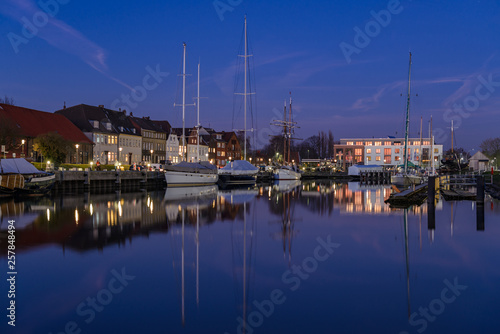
(230,248)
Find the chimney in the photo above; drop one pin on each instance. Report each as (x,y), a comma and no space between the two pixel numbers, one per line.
(101,106)
(64,106)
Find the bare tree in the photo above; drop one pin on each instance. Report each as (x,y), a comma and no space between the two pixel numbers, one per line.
(7,100)
(491,147)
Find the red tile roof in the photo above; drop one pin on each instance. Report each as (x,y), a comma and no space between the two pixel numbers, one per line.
(33,123)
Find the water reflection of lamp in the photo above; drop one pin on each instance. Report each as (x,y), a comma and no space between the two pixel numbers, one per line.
(76,216)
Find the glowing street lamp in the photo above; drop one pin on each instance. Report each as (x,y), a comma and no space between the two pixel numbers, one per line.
(77,152)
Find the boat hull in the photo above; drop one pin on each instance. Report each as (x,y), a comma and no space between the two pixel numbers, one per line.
(286,174)
(186,179)
(37,186)
(237,179)
(406,180)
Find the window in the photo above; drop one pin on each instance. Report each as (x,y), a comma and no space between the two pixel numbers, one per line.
(378,143)
(223,145)
(218,136)
(108,126)
(396,158)
(377,151)
(427,142)
(396,150)
(359,143)
(436,150)
(387,151)
(358,151)
(388,143)
(368,151)
(218,145)
(416,142)
(350,143)
(368,158)
(218,153)
(369,143)
(377,158)
(223,154)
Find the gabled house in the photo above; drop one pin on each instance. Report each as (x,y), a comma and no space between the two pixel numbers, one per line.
(192,145)
(154,139)
(115,137)
(172,145)
(479,162)
(27,124)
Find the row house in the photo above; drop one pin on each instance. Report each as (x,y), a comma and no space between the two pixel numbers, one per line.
(20,126)
(204,138)
(114,136)
(172,144)
(223,147)
(154,139)
(390,151)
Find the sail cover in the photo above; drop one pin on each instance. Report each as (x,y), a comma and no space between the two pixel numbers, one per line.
(17,166)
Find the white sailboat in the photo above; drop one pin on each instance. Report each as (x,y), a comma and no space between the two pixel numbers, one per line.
(190,173)
(406,179)
(241,172)
(287,171)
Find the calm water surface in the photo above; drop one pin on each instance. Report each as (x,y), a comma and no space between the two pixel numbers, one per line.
(315,257)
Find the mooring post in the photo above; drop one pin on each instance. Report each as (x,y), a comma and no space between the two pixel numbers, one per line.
(480,217)
(480,189)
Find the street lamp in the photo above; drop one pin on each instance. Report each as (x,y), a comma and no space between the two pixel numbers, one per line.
(77,152)
(22,152)
(120,154)
(151,155)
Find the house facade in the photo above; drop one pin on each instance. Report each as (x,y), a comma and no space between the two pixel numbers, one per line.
(154,139)
(115,138)
(23,125)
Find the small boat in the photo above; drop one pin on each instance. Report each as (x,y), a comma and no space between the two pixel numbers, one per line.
(185,174)
(18,177)
(287,173)
(238,172)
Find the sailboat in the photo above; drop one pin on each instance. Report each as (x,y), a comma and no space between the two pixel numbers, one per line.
(287,171)
(190,173)
(241,172)
(406,179)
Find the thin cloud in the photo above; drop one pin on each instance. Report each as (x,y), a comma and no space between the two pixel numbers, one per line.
(61,36)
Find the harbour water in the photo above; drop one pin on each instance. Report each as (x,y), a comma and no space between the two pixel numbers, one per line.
(310,257)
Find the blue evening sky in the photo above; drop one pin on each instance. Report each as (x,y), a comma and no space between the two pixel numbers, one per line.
(94,51)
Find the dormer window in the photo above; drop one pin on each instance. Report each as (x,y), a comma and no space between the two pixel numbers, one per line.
(95,124)
(121,128)
(133,130)
(108,126)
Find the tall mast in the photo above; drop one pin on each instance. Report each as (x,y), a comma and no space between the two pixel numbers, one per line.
(284,133)
(290,128)
(432,149)
(407,127)
(245,93)
(183,147)
(451,136)
(198,118)
(184,101)
(245,96)
(420,149)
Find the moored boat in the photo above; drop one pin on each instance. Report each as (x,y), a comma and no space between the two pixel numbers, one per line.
(18,177)
(238,172)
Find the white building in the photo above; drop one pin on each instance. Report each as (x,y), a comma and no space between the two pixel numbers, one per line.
(390,151)
(173,148)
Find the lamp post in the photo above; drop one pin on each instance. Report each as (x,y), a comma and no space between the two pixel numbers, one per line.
(151,155)
(120,154)
(77,152)
(22,152)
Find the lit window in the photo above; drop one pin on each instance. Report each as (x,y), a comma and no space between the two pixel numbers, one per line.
(378,143)
(368,150)
(350,143)
(377,158)
(359,143)
(377,151)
